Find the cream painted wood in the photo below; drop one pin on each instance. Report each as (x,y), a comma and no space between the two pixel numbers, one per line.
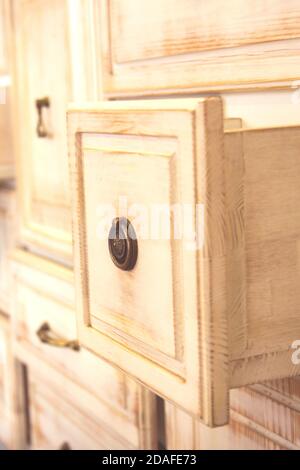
(3,37)
(56,423)
(8,229)
(189,324)
(5,383)
(262,319)
(12,405)
(147,321)
(262,417)
(42,69)
(278,108)
(7,170)
(44,292)
(100,418)
(192,45)
(84,29)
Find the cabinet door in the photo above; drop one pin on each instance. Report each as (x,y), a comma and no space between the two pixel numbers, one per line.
(44,87)
(186,247)
(184,45)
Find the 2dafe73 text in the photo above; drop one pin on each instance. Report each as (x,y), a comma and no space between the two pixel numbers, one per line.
(150,459)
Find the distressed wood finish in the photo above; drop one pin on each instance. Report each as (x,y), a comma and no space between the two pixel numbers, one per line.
(186,45)
(7,170)
(262,417)
(6,390)
(84,29)
(57,421)
(264,223)
(3,37)
(12,404)
(42,69)
(157,140)
(45,293)
(8,229)
(232,317)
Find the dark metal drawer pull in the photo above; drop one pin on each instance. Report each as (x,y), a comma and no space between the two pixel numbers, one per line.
(41,128)
(65,446)
(122,244)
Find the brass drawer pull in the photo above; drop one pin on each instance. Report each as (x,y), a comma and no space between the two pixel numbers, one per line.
(41,128)
(45,335)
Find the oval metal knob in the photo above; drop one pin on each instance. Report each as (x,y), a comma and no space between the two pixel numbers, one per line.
(46,336)
(122,244)
(41,128)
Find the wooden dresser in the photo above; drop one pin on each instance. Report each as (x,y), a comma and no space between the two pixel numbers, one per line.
(123,111)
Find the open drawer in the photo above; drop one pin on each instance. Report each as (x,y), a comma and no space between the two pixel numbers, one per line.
(187,240)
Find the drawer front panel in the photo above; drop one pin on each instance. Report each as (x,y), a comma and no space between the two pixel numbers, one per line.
(142,307)
(7,169)
(56,424)
(184,27)
(8,222)
(43,89)
(181,45)
(105,394)
(7,394)
(136,161)
(97,377)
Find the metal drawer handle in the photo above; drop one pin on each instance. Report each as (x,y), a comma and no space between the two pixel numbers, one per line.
(41,128)
(45,336)
(122,244)
(65,446)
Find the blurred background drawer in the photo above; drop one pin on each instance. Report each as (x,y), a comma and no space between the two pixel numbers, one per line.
(58,424)
(42,89)
(44,295)
(185,45)
(8,422)
(8,229)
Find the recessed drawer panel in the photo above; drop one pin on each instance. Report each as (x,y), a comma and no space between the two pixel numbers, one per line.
(186,247)
(177,45)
